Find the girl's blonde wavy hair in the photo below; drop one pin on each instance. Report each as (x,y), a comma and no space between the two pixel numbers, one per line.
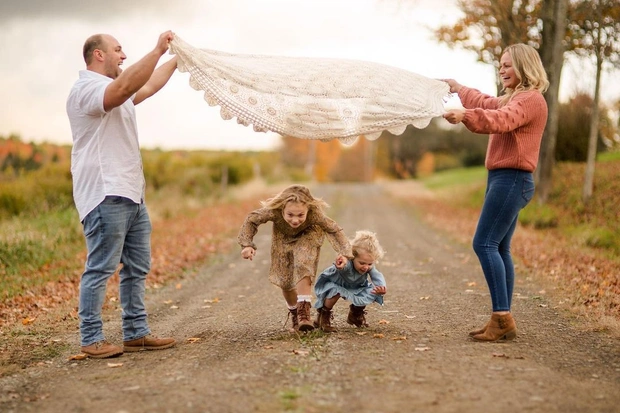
(366,241)
(529,70)
(295,193)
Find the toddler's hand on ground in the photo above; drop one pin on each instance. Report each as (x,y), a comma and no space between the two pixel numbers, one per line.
(379,290)
(248,253)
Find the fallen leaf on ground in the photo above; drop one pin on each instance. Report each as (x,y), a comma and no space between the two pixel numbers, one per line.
(80,356)
(399,338)
(409,316)
(193,339)
(174,307)
(378,335)
(422,348)
(113,365)
(28,320)
(301,352)
(168,302)
(499,355)
(361,333)
(384,322)
(425,298)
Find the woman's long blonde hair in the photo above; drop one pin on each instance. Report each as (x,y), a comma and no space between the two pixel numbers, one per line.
(295,193)
(529,70)
(366,241)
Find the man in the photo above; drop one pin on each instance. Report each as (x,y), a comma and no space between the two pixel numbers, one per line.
(108,187)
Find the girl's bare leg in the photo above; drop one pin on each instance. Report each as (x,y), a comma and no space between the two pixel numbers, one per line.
(291,297)
(304,286)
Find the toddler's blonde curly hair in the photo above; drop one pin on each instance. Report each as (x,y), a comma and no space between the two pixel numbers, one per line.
(366,241)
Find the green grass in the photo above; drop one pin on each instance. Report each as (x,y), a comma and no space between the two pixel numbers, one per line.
(27,245)
(594,223)
(609,156)
(455,178)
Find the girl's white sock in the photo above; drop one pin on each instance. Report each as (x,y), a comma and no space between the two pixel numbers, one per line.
(291,307)
(302,298)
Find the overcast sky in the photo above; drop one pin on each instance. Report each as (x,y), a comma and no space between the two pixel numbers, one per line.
(43,39)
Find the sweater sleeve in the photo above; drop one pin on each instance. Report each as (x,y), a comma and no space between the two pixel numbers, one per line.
(519,111)
(336,236)
(251,224)
(473,98)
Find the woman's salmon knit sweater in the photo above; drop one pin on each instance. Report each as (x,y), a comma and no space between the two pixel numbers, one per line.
(515,129)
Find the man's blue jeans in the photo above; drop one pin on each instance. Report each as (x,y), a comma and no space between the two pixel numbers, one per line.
(508,191)
(117,231)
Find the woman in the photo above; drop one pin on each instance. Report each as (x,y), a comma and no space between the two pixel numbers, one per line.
(515,121)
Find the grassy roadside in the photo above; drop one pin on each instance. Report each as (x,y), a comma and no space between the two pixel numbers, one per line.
(567,245)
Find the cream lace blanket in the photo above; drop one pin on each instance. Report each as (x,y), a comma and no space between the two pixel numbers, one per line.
(312,98)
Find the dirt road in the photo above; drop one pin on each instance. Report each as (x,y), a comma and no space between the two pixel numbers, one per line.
(235,355)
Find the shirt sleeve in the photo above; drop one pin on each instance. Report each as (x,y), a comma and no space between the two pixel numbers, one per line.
(250,226)
(90,97)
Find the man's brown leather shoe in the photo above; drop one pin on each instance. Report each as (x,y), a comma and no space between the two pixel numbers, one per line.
(148,343)
(101,350)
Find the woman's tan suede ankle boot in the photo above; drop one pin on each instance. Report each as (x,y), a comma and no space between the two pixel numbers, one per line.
(500,327)
(480,330)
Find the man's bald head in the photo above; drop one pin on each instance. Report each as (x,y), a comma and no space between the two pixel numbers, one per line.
(94,42)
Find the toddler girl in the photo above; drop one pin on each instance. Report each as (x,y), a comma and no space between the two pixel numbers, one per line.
(352,283)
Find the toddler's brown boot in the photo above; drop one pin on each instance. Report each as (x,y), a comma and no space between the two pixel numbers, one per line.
(324,318)
(357,316)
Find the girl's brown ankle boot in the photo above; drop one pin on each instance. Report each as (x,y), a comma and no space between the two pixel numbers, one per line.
(499,327)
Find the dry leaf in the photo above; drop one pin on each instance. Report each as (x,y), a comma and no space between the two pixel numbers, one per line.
(384,322)
(471,284)
(425,298)
(28,320)
(421,348)
(301,352)
(361,333)
(378,335)
(499,355)
(174,307)
(168,302)
(399,338)
(409,316)
(178,286)
(80,356)
(113,365)
(193,339)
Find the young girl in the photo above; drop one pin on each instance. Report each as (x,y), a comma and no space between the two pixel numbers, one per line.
(351,283)
(299,229)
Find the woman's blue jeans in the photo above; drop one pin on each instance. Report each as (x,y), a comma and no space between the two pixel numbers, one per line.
(508,191)
(117,231)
